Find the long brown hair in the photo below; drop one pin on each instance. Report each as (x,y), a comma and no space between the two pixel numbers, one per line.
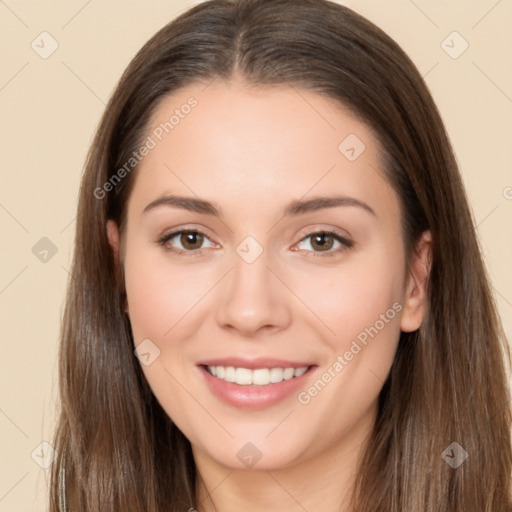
(119,449)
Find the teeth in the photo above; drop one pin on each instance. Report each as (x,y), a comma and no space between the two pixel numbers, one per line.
(259,377)
(229,374)
(299,371)
(242,375)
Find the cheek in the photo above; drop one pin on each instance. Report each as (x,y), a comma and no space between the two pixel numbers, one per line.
(346,300)
(161,298)
(159,294)
(362,306)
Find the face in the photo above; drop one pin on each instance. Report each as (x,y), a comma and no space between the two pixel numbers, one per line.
(281,270)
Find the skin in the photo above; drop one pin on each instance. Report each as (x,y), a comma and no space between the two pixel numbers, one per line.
(252,151)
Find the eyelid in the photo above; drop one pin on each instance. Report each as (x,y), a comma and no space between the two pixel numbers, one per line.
(319,228)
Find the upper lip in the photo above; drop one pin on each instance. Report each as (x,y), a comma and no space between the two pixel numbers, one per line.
(253,364)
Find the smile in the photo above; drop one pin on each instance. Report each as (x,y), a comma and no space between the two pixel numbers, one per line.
(259,387)
(257,377)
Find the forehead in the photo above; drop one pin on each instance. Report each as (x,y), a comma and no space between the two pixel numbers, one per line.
(265,144)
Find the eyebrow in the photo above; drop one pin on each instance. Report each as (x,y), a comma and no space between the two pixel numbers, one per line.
(296,207)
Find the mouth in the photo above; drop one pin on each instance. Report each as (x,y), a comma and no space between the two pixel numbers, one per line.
(255,384)
(258,377)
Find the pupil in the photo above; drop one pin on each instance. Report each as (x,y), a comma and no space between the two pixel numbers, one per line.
(190,239)
(322,244)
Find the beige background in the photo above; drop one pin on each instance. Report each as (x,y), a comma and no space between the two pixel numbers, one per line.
(50,108)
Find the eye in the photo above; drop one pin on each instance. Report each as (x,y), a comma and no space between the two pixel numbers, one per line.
(325,241)
(188,240)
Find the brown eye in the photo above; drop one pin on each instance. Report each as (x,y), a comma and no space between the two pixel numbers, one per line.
(322,241)
(185,241)
(325,243)
(191,240)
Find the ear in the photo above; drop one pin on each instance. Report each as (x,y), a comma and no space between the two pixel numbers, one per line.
(415,293)
(113,240)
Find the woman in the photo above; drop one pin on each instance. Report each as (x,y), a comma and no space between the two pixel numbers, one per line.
(278,299)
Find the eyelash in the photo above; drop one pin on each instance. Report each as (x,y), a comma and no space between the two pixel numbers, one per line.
(346,243)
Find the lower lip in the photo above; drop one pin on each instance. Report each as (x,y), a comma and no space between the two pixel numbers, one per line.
(252,396)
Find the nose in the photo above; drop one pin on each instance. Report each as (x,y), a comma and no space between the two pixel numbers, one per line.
(253,298)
